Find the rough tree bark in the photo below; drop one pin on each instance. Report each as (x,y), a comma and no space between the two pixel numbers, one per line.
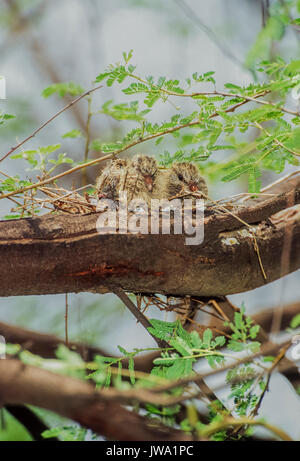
(64,253)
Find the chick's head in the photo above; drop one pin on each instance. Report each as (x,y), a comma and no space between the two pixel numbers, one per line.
(109,181)
(185,178)
(147,168)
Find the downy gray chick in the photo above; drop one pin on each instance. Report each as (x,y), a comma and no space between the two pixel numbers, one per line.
(181,179)
(110,181)
(140,179)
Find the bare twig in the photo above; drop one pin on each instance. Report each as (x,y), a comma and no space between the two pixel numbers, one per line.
(265,5)
(190,13)
(66,319)
(87,139)
(138,314)
(86,93)
(279,357)
(46,345)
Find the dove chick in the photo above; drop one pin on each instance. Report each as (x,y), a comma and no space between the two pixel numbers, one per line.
(181,178)
(141,178)
(109,182)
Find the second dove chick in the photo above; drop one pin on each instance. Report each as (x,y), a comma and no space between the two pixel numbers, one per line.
(141,178)
(181,178)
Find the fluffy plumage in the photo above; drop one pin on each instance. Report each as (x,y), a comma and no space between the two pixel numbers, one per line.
(110,180)
(181,178)
(140,178)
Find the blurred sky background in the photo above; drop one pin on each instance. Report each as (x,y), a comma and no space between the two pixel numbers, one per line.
(45,42)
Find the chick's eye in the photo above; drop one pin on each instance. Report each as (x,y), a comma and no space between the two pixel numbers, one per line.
(180,177)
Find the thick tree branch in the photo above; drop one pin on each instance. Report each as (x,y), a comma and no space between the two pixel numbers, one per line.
(45,345)
(75,399)
(64,253)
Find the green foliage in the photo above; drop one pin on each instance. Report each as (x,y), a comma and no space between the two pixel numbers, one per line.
(124,111)
(243,391)
(38,159)
(66,433)
(72,134)
(63,89)
(103,376)
(153,90)
(296,21)
(11,429)
(295,322)
(244,332)
(187,346)
(13,183)
(274,30)
(175,362)
(243,379)
(214,120)
(4,117)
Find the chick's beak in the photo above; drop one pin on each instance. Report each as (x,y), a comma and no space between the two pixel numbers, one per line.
(193,187)
(149,182)
(100,196)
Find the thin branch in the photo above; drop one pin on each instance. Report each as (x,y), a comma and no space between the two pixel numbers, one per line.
(279,357)
(267,349)
(256,247)
(87,140)
(221,93)
(265,5)
(113,154)
(86,93)
(190,13)
(138,314)
(46,345)
(228,421)
(66,319)
(279,143)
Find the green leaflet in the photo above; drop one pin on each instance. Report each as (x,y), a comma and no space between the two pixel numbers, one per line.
(180,368)
(4,117)
(72,134)
(66,433)
(295,322)
(62,89)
